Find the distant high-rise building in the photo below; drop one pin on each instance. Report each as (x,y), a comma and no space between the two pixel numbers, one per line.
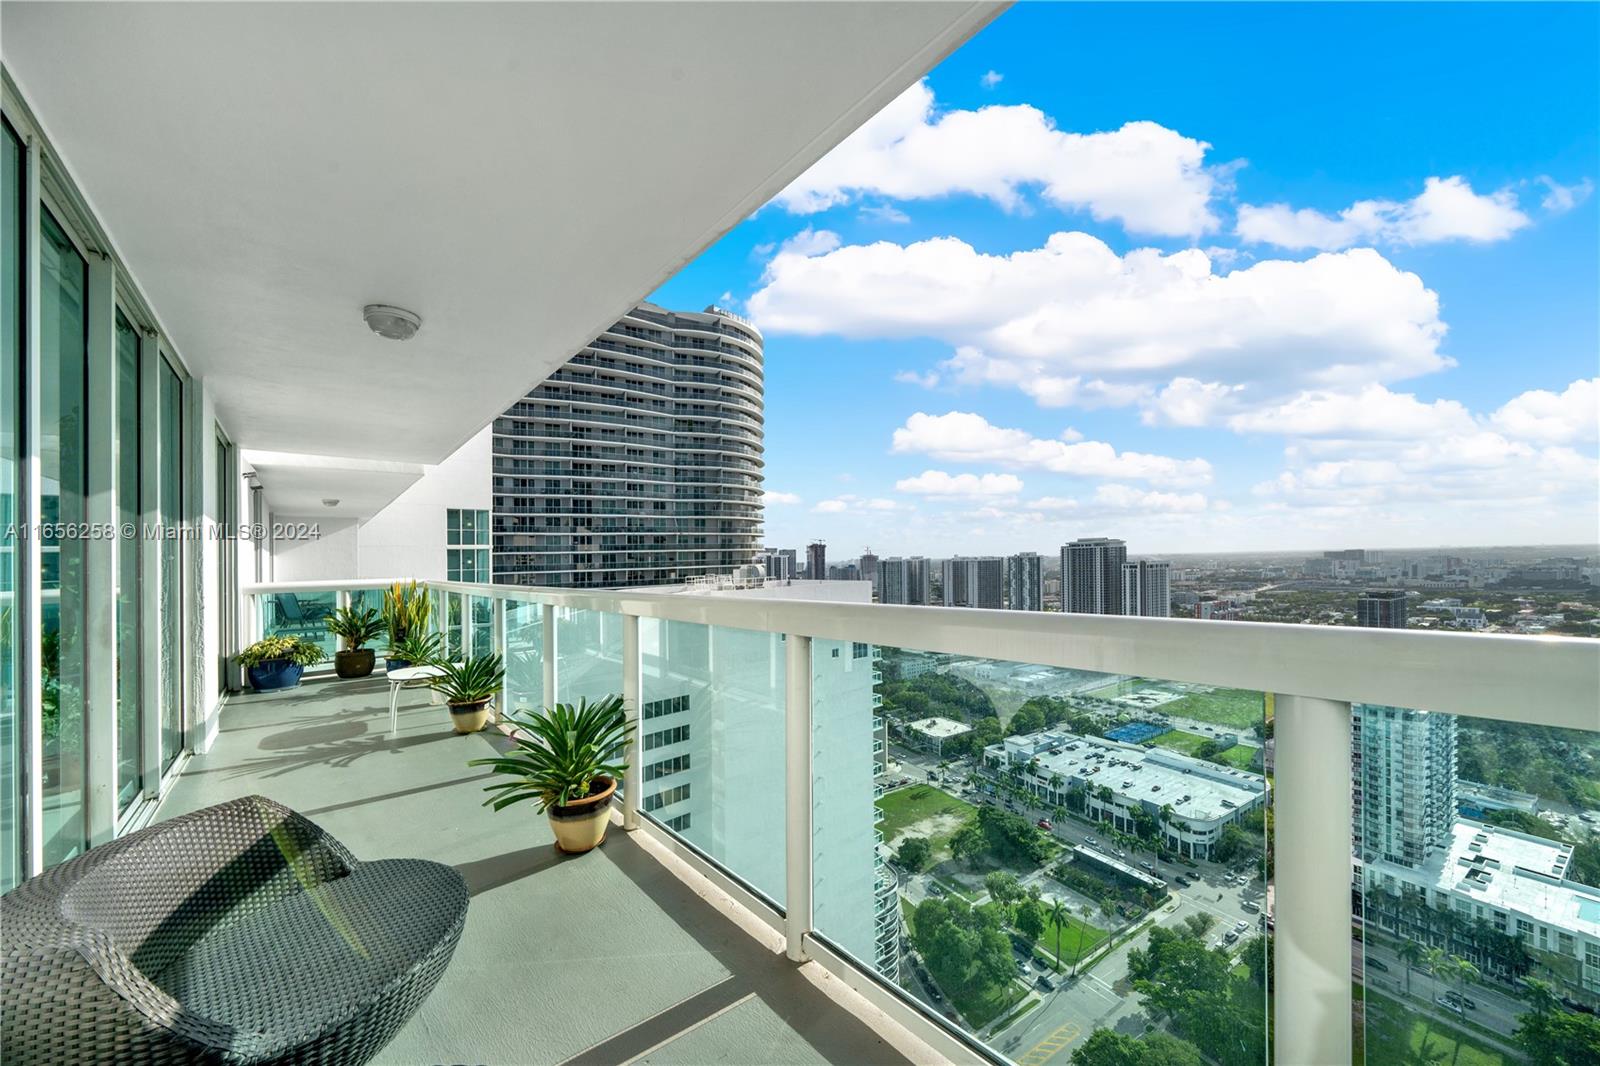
(639,461)
(974,582)
(869,568)
(904,580)
(778,563)
(1381,609)
(1091,575)
(1147,589)
(1404,765)
(816,561)
(1025,582)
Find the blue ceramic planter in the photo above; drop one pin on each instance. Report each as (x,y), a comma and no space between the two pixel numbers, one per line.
(395,664)
(275,674)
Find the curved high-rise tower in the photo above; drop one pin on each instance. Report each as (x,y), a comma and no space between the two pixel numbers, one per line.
(637,463)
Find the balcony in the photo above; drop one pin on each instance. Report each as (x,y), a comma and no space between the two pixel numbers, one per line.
(702,985)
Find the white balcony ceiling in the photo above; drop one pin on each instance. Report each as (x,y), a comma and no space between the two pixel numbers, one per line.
(517,174)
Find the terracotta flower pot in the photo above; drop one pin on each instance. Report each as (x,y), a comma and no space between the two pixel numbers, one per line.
(469,717)
(580,826)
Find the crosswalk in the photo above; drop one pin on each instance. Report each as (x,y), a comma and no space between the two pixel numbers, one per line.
(1052,1045)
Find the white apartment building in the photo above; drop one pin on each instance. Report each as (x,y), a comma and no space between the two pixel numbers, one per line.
(973,582)
(1147,589)
(1201,797)
(1404,763)
(905,580)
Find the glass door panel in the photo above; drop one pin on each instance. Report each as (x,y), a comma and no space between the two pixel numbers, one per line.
(130,717)
(171,504)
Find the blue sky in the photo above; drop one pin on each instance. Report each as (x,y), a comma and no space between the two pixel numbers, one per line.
(1206,277)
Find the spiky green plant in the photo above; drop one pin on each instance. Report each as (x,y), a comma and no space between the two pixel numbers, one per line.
(406,608)
(355,626)
(469,681)
(420,649)
(559,754)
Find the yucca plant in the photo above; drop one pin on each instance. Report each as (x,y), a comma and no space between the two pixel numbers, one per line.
(406,608)
(470,681)
(561,755)
(296,650)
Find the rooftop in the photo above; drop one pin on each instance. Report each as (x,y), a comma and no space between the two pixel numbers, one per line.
(940,728)
(1510,871)
(615,956)
(1195,789)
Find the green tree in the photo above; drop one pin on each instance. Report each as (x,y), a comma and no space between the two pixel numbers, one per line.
(914,853)
(1003,886)
(1107,1047)
(1030,919)
(1552,1036)
(1028,719)
(1058,917)
(967,844)
(1410,953)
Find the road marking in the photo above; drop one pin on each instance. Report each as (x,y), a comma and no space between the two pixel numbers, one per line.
(1052,1045)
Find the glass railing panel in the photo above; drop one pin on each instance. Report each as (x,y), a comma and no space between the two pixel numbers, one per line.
(480,623)
(524,654)
(712,744)
(1067,859)
(1477,858)
(588,654)
(303,615)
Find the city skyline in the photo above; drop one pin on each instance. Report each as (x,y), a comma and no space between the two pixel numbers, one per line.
(1302,329)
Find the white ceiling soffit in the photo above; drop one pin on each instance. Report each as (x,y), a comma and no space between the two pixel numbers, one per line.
(517,174)
(299,486)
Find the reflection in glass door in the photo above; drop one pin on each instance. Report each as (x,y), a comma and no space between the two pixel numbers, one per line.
(11,303)
(63,406)
(227,512)
(130,717)
(171,504)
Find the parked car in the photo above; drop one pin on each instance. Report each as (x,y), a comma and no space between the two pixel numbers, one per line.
(1230,936)
(1453,1001)
(1251,905)
(1378,964)
(1240,926)
(1091,841)
(1121,854)
(1147,866)
(1044,823)
(1182,880)
(1045,983)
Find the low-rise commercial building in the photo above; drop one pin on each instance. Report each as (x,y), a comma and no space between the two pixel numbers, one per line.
(932,734)
(1191,799)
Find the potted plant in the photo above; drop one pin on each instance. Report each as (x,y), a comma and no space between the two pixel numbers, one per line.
(277,662)
(406,608)
(563,760)
(468,687)
(418,649)
(354,626)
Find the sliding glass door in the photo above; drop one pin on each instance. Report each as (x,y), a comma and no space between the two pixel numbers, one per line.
(172,577)
(63,471)
(130,705)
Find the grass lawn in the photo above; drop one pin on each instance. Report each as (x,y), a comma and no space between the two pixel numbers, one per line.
(1236,708)
(981,1009)
(1239,756)
(1078,940)
(905,807)
(1394,1034)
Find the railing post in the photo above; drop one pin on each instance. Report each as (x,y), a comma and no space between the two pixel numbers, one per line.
(1311,907)
(797,795)
(632,686)
(547,652)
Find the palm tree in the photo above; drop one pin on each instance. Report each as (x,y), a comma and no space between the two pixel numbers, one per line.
(1056,781)
(1542,998)
(1059,814)
(1410,953)
(1058,914)
(1461,971)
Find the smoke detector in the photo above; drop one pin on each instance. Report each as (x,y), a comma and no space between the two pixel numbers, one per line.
(396,323)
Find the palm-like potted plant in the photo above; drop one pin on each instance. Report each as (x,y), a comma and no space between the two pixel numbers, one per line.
(418,649)
(406,608)
(278,662)
(468,687)
(354,626)
(566,761)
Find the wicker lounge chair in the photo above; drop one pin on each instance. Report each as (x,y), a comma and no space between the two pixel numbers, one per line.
(238,934)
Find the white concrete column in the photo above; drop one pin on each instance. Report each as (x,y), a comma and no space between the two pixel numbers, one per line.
(632,688)
(547,635)
(1311,911)
(797,796)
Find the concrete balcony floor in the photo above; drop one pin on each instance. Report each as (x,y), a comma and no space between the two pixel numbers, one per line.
(610,957)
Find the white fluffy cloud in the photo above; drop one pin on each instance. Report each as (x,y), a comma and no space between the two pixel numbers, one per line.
(848,502)
(1564,417)
(939,483)
(1560,198)
(1445,210)
(1370,413)
(1143,175)
(928,380)
(1125,499)
(779,497)
(1074,322)
(964,437)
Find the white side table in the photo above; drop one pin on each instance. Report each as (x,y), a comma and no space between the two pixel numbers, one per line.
(400,677)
